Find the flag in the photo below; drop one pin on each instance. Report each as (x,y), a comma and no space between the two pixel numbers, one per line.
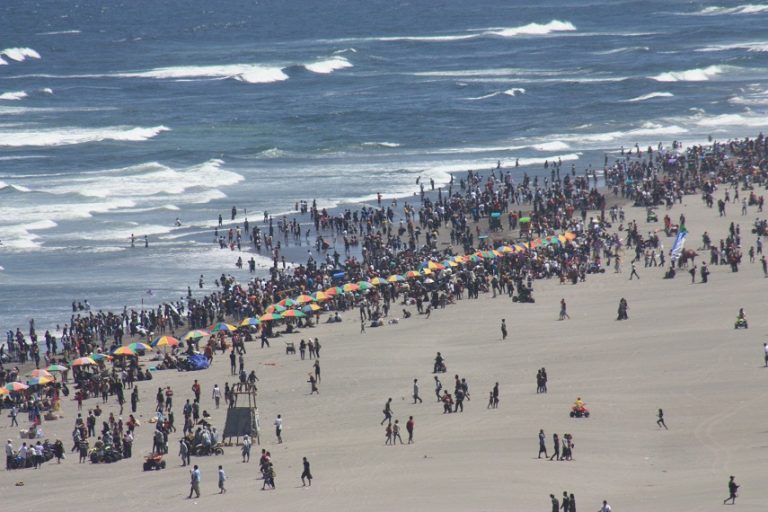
(677,247)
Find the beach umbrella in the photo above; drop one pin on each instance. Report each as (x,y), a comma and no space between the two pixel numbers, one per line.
(223,327)
(350,287)
(334,290)
(287,303)
(252,321)
(123,351)
(100,357)
(309,308)
(196,334)
(83,361)
(396,278)
(376,281)
(293,313)
(165,341)
(15,387)
(138,346)
(412,274)
(3,391)
(449,263)
(321,296)
(570,236)
(364,285)
(275,308)
(40,373)
(426,271)
(304,299)
(57,368)
(266,317)
(40,381)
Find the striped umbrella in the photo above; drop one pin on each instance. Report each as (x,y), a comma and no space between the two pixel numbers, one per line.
(304,299)
(40,381)
(40,373)
(123,351)
(252,321)
(222,326)
(196,334)
(57,368)
(83,361)
(165,341)
(138,346)
(293,313)
(266,317)
(15,387)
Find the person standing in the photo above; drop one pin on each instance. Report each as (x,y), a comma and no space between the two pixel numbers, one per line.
(306,473)
(555,503)
(765,354)
(387,411)
(279,429)
(195,478)
(396,433)
(134,399)
(409,428)
(542,444)
(563,310)
(15,412)
(247,443)
(316,366)
(572,502)
(566,502)
(222,479)
(416,391)
(605,508)
(660,420)
(438,388)
(733,487)
(503,329)
(216,394)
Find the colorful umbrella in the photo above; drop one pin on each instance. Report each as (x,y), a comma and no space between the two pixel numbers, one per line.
(376,281)
(123,351)
(321,296)
(275,308)
(433,265)
(266,317)
(287,303)
(40,373)
(412,274)
(397,278)
(222,326)
(449,263)
(309,308)
(350,287)
(40,381)
(15,387)
(334,290)
(138,346)
(57,368)
(196,334)
(364,285)
(304,299)
(165,341)
(252,321)
(426,271)
(293,313)
(83,361)
(3,391)
(525,220)
(100,357)
(570,236)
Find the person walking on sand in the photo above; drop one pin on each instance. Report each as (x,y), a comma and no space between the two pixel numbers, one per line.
(195,478)
(316,366)
(362,326)
(660,420)
(555,503)
(733,487)
(409,428)
(542,444)
(387,411)
(313,385)
(439,387)
(216,395)
(503,329)
(279,429)
(556,447)
(634,272)
(306,473)
(416,391)
(563,310)
(396,433)
(222,479)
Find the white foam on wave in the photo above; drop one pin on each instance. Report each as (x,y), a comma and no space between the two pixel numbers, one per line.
(145,180)
(20,54)
(650,96)
(535,29)
(739,9)
(754,46)
(557,145)
(272,153)
(646,132)
(515,91)
(59,33)
(66,136)
(17,188)
(327,66)
(690,75)
(251,73)
(381,144)
(738,120)
(13,95)
(624,49)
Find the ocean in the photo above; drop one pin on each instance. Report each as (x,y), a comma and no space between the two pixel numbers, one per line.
(120,117)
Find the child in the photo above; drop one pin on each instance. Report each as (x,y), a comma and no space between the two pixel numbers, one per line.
(222,478)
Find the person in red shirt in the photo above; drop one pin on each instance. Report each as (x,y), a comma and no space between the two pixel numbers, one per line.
(409,427)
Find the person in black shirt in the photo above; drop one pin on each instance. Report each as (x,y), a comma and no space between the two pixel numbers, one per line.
(732,488)
(306,473)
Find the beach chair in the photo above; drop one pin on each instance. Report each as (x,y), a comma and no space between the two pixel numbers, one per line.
(290,348)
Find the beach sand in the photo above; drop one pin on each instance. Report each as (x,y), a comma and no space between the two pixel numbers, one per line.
(678,351)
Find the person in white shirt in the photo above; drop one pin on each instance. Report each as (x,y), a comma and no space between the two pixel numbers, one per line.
(216,394)
(605,508)
(279,428)
(9,455)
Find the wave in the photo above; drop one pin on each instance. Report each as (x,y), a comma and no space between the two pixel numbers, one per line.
(19,54)
(250,73)
(69,136)
(758,46)
(738,120)
(515,91)
(13,96)
(650,96)
(328,66)
(626,49)
(646,132)
(552,146)
(12,188)
(59,33)
(739,9)
(381,144)
(691,75)
(345,50)
(531,29)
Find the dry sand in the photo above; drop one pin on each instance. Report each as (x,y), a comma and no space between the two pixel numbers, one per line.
(678,351)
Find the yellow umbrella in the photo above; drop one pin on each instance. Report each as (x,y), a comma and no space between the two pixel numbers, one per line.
(123,351)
